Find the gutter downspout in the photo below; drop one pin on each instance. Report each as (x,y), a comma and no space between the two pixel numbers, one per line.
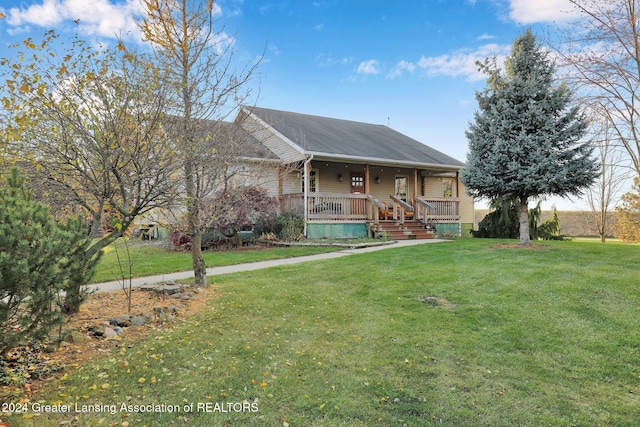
(306,193)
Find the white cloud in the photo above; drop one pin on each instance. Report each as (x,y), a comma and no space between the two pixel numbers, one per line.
(486,36)
(400,68)
(462,63)
(529,12)
(96,18)
(45,14)
(368,67)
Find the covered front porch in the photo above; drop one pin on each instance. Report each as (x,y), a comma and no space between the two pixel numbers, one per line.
(358,215)
(340,199)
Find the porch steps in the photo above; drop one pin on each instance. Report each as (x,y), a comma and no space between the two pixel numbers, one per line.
(410,230)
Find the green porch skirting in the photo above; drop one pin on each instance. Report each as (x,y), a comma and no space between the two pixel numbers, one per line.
(347,230)
(452,229)
(336,230)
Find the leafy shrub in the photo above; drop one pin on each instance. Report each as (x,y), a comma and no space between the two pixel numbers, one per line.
(292,227)
(268,223)
(179,239)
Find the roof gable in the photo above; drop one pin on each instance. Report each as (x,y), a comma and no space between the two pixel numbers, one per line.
(324,136)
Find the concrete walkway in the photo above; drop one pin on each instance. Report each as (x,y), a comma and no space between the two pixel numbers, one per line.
(111,286)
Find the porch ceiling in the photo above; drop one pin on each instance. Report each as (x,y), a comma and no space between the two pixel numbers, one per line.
(432,168)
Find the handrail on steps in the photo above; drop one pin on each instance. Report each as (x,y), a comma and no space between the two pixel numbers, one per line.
(426,204)
(376,202)
(404,206)
(402,203)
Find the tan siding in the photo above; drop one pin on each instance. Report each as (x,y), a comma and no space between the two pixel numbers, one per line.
(432,186)
(386,188)
(467,213)
(291,183)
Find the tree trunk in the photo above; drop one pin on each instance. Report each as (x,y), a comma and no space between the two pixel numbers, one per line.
(194,228)
(72,300)
(525,238)
(96,226)
(199,267)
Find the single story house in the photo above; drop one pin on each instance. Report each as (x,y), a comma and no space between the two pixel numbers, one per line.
(352,179)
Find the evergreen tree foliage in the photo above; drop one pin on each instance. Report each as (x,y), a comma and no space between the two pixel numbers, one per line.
(39,258)
(525,139)
(29,275)
(550,229)
(501,223)
(79,265)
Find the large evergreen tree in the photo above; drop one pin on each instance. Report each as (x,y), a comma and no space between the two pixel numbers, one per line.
(526,137)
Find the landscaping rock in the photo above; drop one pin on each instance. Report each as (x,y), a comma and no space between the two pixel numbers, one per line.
(97,331)
(74,337)
(109,333)
(121,321)
(164,288)
(118,330)
(137,321)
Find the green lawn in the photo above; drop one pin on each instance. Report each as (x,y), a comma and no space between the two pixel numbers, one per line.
(153,258)
(462,333)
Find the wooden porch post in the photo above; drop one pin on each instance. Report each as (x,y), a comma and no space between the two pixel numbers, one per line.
(366,179)
(415,183)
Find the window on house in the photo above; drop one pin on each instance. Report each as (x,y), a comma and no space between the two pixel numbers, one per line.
(313,181)
(448,187)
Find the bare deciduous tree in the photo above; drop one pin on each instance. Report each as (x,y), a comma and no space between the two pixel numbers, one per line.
(90,121)
(198,61)
(601,52)
(604,193)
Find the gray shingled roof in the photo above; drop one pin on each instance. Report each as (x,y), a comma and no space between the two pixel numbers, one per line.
(220,132)
(335,137)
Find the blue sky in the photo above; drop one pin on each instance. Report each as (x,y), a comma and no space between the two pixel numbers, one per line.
(406,63)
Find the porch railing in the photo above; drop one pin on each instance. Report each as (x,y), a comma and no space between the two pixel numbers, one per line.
(438,209)
(361,207)
(330,206)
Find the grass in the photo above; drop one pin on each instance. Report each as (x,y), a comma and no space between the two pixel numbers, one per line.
(464,333)
(152,258)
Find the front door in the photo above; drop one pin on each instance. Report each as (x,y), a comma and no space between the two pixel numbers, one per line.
(357,187)
(401,188)
(357,183)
